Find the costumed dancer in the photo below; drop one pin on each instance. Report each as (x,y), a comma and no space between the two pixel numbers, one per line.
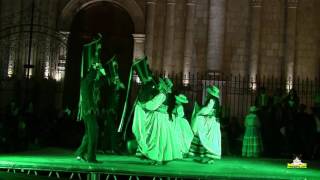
(205,124)
(252,142)
(90,74)
(181,126)
(88,112)
(151,125)
(109,116)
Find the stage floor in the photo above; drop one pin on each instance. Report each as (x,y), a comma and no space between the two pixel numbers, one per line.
(54,159)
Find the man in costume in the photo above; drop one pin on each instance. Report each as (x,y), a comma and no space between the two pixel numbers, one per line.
(109,116)
(205,124)
(263,105)
(91,73)
(88,112)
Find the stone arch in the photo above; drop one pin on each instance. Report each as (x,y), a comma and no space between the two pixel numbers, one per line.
(74,6)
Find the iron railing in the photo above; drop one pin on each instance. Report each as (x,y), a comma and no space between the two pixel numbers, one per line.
(238,92)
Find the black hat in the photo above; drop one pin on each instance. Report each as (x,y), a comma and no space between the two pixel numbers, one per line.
(142,69)
(91,52)
(112,69)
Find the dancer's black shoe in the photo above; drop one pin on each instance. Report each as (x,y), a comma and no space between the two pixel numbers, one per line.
(157,163)
(94,161)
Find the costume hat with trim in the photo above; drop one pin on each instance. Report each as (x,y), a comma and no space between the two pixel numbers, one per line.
(98,67)
(182,98)
(253,109)
(165,85)
(214,91)
(142,69)
(112,69)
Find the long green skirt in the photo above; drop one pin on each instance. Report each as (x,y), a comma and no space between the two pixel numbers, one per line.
(252,142)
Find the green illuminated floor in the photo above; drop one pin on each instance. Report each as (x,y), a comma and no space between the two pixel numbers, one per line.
(63,160)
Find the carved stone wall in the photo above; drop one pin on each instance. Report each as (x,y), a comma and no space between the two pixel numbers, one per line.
(177,34)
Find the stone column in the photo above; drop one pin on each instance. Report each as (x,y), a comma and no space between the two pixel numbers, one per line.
(290,47)
(151,11)
(138,45)
(169,36)
(216,28)
(54,44)
(255,30)
(59,72)
(188,41)
(13,53)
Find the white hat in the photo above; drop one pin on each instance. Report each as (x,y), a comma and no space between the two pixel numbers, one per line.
(182,98)
(214,91)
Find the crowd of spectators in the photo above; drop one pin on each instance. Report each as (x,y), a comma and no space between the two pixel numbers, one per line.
(287,127)
(23,128)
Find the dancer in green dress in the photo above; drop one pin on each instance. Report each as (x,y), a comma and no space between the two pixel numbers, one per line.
(252,142)
(153,129)
(181,126)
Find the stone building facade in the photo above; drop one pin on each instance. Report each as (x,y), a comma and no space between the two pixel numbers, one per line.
(246,37)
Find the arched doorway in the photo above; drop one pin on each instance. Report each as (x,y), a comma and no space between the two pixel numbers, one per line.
(116,27)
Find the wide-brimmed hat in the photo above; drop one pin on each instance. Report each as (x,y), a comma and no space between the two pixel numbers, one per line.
(214,91)
(142,69)
(182,98)
(253,109)
(165,85)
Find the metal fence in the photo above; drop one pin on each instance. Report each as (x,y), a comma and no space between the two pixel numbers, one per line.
(238,92)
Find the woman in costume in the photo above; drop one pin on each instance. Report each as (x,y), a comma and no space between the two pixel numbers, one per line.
(252,142)
(152,127)
(205,124)
(181,126)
